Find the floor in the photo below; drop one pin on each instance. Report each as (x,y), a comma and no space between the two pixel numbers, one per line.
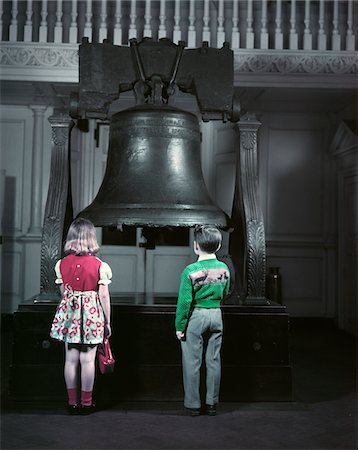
(323,414)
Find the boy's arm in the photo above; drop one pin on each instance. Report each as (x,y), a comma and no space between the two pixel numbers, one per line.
(185,299)
(227,287)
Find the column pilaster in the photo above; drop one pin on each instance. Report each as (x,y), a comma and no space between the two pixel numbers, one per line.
(57,206)
(247,242)
(35,228)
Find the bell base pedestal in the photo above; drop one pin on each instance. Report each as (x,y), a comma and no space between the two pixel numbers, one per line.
(255,355)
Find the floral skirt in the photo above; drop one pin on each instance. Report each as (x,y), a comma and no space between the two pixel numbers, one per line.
(79,318)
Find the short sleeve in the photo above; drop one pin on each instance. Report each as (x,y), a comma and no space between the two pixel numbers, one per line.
(105,274)
(58,279)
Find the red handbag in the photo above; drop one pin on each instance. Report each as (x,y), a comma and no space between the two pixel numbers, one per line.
(106,360)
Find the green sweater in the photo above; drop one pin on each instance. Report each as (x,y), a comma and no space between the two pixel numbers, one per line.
(203,284)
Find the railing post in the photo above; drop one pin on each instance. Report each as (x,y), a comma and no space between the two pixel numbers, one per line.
(322,37)
(177,31)
(103,25)
(293,39)
(117,32)
(162,32)
(220,36)
(250,38)
(147,32)
(28,23)
(43,25)
(206,21)
(132,32)
(13,23)
(1,20)
(350,38)
(191,27)
(307,35)
(58,27)
(73,27)
(264,33)
(235,40)
(336,37)
(87,32)
(278,30)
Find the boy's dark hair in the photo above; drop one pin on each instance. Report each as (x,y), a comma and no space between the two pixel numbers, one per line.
(208,238)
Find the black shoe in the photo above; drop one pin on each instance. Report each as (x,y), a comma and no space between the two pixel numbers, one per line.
(211,410)
(73,409)
(192,412)
(86,410)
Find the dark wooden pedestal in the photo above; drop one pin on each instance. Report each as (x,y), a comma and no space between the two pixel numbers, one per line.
(255,355)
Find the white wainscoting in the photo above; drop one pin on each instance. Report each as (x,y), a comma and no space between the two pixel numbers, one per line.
(164,266)
(127,264)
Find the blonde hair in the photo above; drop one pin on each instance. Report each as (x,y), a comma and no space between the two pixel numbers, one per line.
(81,238)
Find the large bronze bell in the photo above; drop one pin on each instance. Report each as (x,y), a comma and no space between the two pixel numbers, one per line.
(153,175)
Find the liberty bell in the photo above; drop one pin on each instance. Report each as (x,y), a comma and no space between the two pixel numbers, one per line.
(153,175)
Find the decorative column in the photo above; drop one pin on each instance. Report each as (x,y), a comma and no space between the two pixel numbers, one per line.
(58,206)
(247,240)
(36,174)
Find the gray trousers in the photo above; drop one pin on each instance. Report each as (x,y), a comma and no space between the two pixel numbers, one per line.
(202,320)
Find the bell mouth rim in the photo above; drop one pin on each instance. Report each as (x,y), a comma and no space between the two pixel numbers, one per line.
(151,217)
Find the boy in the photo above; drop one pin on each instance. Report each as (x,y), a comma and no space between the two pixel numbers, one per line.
(203,285)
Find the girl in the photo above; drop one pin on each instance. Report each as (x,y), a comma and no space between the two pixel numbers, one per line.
(82,318)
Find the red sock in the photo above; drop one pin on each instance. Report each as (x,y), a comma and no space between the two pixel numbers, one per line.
(72,396)
(86,398)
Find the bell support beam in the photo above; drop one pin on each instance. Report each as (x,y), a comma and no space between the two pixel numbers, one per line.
(247,242)
(58,206)
(107,70)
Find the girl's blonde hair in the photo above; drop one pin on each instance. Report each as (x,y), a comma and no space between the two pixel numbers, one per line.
(81,238)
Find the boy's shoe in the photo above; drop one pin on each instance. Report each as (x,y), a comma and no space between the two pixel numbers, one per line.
(192,412)
(211,410)
(86,410)
(73,409)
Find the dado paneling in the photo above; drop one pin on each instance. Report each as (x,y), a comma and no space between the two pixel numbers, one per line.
(164,266)
(16,124)
(25,157)
(12,276)
(296,170)
(127,265)
(16,141)
(294,183)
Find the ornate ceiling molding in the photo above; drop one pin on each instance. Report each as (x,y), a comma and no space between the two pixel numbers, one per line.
(40,55)
(295,62)
(59,62)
